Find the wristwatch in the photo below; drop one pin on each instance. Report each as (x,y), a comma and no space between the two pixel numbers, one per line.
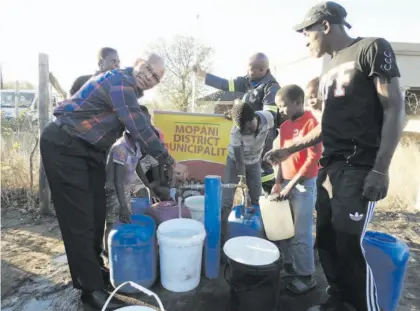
(170,161)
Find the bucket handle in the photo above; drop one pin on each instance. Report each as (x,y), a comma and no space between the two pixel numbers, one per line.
(136,286)
(148,194)
(247,288)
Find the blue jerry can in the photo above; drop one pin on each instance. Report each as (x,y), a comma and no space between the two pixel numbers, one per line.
(387,257)
(132,253)
(245,222)
(139,205)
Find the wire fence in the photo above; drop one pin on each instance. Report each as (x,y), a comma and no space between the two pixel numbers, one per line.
(412,103)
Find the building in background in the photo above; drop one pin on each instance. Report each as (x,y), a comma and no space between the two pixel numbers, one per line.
(299,71)
(218,102)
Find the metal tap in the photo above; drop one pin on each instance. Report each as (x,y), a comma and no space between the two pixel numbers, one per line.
(201,186)
(243,197)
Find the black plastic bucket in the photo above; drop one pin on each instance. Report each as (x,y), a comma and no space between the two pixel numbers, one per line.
(253,287)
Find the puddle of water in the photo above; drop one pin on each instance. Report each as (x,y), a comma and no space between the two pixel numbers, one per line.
(37,305)
(62,259)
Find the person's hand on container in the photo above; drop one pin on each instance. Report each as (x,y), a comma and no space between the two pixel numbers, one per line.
(125,214)
(279,193)
(275,192)
(284,194)
(276,189)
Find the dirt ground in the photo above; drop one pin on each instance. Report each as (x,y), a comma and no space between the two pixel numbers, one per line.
(34,274)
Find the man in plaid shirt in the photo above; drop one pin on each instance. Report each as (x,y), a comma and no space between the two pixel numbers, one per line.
(73,150)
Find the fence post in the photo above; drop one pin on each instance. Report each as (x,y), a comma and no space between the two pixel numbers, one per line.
(17,99)
(43,118)
(1,76)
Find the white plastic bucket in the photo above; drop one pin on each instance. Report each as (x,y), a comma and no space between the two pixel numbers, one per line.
(195,204)
(180,252)
(135,308)
(251,251)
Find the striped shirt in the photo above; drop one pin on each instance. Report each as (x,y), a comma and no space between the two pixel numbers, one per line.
(100,110)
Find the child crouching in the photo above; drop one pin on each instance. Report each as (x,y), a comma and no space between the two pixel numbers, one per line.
(123,171)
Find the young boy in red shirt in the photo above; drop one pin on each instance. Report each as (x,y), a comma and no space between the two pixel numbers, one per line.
(296,181)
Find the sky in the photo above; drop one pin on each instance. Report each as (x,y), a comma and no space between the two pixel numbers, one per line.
(72,32)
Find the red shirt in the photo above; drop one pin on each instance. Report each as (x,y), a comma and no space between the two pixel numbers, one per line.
(304,162)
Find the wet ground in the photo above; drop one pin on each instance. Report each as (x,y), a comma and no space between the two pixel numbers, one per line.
(214,295)
(34,273)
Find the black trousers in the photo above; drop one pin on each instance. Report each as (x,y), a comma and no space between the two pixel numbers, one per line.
(342,219)
(76,176)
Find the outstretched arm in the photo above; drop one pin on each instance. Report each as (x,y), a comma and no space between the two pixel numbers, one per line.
(311,139)
(236,143)
(240,84)
(276,156)
(239,160)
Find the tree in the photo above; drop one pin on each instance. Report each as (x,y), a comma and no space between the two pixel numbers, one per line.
(176,86)
(157,104)
(23,85)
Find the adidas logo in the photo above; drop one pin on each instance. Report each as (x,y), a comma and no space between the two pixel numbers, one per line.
(356,216)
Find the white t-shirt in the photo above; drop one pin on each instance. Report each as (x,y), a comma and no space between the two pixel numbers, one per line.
(253,145)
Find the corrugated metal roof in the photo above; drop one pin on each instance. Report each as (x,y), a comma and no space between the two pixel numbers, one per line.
(221,96)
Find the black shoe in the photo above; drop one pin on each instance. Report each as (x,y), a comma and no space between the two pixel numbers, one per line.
(97,299)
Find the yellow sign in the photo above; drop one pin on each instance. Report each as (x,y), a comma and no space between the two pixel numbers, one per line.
(195,136)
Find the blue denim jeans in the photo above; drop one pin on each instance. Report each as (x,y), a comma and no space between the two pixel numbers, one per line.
(299,249)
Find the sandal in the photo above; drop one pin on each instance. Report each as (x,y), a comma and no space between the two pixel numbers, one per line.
(300,285)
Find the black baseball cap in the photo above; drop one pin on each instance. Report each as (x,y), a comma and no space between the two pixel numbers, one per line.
(329,11)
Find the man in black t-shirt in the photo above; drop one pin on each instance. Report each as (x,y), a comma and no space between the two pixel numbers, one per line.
(363,116)
(108,59)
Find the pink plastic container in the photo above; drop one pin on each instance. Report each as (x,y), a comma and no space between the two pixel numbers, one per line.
(166,210)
